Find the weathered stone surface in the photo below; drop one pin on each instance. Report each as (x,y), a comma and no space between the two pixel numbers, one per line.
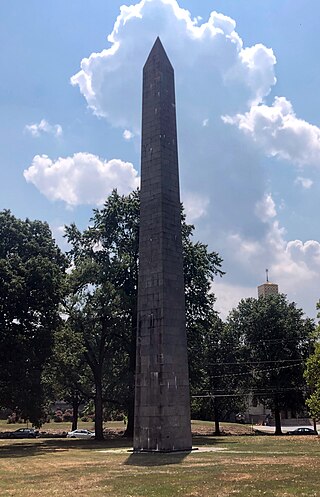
(162,401)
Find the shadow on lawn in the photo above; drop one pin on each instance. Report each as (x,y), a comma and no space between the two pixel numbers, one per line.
(156,458)
(165,459)
(44,446)
(209,440)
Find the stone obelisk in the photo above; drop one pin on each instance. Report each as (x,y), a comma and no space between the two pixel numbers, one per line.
(162,399)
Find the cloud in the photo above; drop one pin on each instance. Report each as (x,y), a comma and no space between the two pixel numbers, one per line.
(294,265)
(195,206)
(306,183)
(127,134)
(279,133)
(216,58)
(229,295)
(44,127)
(220,76)
(265,209)
(58,232)
(81,179)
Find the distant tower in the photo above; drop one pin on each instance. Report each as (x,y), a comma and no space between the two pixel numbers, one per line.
(267,288)
(162,399)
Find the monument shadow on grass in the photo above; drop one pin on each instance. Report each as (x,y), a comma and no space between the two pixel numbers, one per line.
(149,459)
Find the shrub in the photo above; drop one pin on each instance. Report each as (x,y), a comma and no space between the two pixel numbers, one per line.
(58,416)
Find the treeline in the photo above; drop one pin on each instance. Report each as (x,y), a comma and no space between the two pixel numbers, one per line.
(68,325)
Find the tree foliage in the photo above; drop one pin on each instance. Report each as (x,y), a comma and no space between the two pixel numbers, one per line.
(274,340)
(226,383)
(312,375)
(31,287)
(65,376)
(103,295)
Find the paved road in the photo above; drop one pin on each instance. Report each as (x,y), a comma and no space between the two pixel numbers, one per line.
(285,429)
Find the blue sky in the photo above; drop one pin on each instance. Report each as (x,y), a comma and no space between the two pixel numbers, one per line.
(247,82)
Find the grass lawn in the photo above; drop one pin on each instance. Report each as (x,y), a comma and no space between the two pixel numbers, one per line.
(242,466)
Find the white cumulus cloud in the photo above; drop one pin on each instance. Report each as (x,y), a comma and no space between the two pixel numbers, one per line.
(279,133)
(195,206)
(127,134)
(216,75)
(266,209)
(294,265)
(42,127)
(306,183)
(216,58)
(81,179)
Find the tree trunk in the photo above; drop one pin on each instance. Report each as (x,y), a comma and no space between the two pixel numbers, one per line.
(75,410)
(315,425)
(277,419)
(129,430)
(217,431)
(98,404)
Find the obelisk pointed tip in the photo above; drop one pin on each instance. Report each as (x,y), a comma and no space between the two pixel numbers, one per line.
(158,51)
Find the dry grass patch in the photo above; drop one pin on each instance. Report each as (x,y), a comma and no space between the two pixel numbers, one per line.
(247,467)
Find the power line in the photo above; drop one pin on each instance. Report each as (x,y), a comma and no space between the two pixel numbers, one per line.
(252,362)
(264,340)
(250,392)
(255,371)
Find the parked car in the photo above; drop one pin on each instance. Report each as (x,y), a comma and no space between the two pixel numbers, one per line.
(303,431)
(240,418)
(23,433)
(85,434)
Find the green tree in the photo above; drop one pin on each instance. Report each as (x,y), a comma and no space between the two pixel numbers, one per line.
(104,291)
(312,375)
(105,258)
(66,376)
(95,313)
(225,380)
(32,270)
(274,338)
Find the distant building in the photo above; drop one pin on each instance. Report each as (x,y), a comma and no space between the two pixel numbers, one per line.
(267,288)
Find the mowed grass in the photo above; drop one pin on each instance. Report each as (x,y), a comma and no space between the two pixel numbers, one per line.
(243,466)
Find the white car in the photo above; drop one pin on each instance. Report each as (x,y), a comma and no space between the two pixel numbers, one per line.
(86,434)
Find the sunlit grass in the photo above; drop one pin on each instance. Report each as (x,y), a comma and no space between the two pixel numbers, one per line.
(64,426)
(224,466)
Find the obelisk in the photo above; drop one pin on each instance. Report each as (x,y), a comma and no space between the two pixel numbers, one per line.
(162,399)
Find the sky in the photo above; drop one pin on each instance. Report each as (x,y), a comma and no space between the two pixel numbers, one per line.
(247,82)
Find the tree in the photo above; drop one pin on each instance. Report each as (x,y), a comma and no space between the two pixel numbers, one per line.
(65,376)
(104,287)
(96,316)
(202,321)
(274,338)
(32,270)
(105,258)
(225,382)
(312,375)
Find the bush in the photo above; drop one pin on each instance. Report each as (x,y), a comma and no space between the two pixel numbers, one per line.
(68,415)
(58,416)
(13,418)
